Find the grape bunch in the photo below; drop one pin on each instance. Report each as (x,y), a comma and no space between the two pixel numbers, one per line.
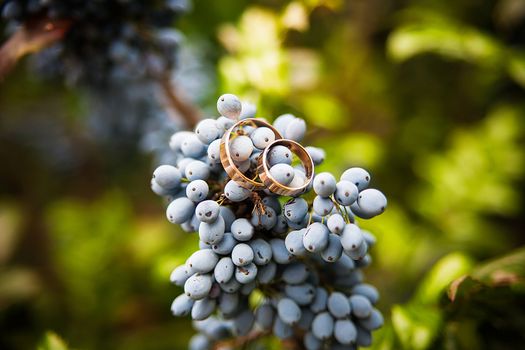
(302,256)
(113,39)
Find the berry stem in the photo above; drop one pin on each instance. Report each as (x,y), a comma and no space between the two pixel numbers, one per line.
(343,211)
(347,215)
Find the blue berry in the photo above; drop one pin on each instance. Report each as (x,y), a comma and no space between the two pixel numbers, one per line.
(246,273)
(198,286)
(358,176)
(203,261)
(180,210)
(323,326)
(315,238)
(346,192)
(371,202)
(182,305)
(262,137)
(167,176)
(229,106)
(241,147)
(207,131)
(197,190)
(279,155)
(235,192)
(224,270)
(324,184)
(338,305)
(345,332)
(242,254)
(289,312)
(212,233)
(197,170)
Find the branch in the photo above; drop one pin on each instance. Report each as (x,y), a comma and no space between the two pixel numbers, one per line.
(189,113)
(293,344)
(31,37)
(240,341)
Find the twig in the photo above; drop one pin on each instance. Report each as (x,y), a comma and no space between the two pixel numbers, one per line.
(258,205)
(222,199)
(32,37)
(293,344)
(237,342)
(344,213)
(188,112)
(348,221)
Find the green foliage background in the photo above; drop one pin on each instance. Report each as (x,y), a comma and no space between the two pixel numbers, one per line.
(428,95)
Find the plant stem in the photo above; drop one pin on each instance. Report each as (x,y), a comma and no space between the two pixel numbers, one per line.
(187,111)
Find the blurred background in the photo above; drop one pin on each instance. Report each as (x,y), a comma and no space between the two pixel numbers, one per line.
(428,95)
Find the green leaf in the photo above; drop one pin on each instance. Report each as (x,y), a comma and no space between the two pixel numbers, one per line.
(446,270)
(505,271)
(415,325)
(488,159)
(52,341)
(424,32)
(460,43)
(508,270)
(323,110)
(516,67)
(491,298)
(385,338)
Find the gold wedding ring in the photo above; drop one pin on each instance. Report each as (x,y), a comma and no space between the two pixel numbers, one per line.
(275,186)
(227,161)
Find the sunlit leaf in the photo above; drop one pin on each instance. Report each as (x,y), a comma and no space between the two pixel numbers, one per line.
(384,338)
(516,68)
(354,149)
(429,33)
(434,34)
(486,160)
(295,16)
(323,111)
(441,275)
(52,341)
(416,326)
(393,230)
(306,70)
(88,241)
(332,4)
(151,238)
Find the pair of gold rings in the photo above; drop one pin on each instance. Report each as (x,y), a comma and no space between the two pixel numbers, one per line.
(264,179)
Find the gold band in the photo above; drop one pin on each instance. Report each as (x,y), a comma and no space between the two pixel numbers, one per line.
(272,184)
(227,161)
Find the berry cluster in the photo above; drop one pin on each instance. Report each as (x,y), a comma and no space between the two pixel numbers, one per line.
(306,259)
(106,39)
